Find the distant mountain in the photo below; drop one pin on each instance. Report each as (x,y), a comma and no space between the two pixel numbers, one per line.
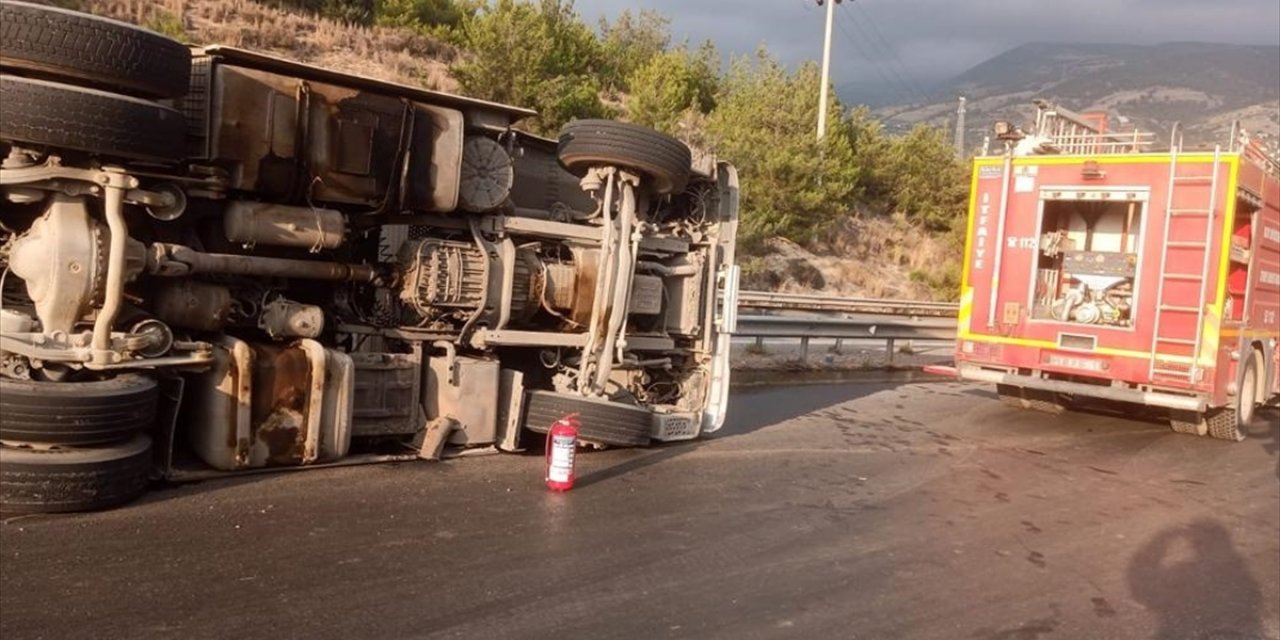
(1202,85)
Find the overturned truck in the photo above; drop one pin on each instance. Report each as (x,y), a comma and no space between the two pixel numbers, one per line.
(220,260)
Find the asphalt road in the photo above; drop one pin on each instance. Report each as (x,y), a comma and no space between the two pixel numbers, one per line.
(838,511)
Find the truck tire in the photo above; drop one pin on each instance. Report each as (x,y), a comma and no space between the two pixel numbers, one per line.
(1230,423)
(601,421)
(58,44)
(62,116)
(1010,396)
(664,161)
(1045,401)
(75,414)
(1033,399)
(1188,423)
(63,480)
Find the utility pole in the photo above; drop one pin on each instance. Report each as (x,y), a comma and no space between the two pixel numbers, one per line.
(826,67)
(960,130)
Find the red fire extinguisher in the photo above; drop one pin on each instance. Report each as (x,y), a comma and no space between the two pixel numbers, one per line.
(562,442)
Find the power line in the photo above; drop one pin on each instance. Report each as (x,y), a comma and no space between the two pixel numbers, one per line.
(884,58)
(892,51)
(875,66)
(887,74)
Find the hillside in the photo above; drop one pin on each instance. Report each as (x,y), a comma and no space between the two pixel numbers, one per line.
(1205,86)
(398,55)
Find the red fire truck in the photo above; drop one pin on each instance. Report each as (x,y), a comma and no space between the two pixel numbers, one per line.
(1097,268)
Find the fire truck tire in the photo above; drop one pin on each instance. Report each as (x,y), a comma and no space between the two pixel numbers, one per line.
(1045,401)
(75,414)
(602,421)
(1011,396)
(1187,423)
(59,44)
(62,116)
(662,160)
(1231,423)
(73,479)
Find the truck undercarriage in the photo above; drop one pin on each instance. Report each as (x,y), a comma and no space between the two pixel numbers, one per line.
(263,263)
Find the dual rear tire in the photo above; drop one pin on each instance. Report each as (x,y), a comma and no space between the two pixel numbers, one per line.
(79,85)
(75,446)
(1231,422)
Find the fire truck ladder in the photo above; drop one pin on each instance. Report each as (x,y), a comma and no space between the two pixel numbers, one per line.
(1178,183)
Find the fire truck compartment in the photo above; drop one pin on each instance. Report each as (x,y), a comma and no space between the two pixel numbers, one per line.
(1087,260)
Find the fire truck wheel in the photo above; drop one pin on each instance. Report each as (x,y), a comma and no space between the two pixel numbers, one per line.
(59,44)
(1045,401)
(1230,423)
(602,421)
(63,116)
(79,479)
(663,160)
(76,414)
(1011,396)
(1188,423)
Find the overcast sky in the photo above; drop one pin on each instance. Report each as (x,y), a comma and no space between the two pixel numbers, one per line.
(922,41)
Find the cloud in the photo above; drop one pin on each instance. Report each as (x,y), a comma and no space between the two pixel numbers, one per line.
(922,41)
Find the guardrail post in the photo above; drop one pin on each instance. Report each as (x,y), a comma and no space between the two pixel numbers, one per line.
(836,348)
(804,349)
(760,343)
(890,350)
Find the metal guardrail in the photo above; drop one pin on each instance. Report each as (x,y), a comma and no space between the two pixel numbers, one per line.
(815,303)
(844,319)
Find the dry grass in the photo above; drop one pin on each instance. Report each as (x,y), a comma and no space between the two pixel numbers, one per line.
(397,55)
(865,256)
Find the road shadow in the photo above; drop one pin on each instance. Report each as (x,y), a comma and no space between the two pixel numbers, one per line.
(1191,577)
(648,458)
(1123,410)
(1266,428)
(753,408)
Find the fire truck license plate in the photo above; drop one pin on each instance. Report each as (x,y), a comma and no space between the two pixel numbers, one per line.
(1071,362)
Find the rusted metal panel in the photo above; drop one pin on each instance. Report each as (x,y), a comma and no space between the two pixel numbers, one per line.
(587,262)
(269,405)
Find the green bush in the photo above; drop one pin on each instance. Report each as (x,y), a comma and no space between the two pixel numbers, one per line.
(541,56)
(629,43)
(672,84)
(764,122)
(423,15)
(923,178)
